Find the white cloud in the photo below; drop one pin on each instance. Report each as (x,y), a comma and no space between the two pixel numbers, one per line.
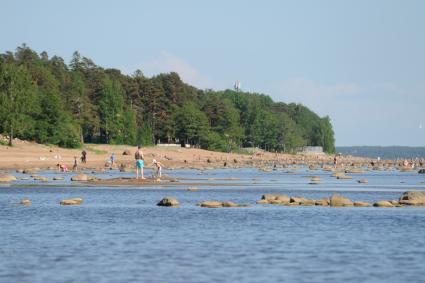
(303,89)
(379,113)
(167,62)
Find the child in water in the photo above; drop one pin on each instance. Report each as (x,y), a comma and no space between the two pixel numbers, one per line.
(62,167)
(158,167)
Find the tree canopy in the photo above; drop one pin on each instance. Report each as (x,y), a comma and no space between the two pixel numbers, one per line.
(46,100)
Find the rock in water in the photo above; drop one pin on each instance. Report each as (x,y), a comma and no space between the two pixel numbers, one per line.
(383,203)
(422,171)
(5,178)
(73,201)
(229,204)
(211,204)
(338,201)
(363,181)
(362,204)
(274,199)
(413,198)
(25,202)
(167,201)
(298,199)
(80,177)
(40,178)
(30,171)
(322,202)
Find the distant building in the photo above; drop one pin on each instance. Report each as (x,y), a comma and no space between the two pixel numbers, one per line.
(309,150)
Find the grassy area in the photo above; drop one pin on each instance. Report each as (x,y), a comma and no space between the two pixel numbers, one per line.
(96,151)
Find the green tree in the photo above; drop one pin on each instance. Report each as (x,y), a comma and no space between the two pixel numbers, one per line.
(111,112)
(16,99)
(191,124)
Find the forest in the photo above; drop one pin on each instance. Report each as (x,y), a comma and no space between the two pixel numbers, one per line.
(46,100)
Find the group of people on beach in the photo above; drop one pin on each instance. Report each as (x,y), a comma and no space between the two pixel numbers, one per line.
(138,156)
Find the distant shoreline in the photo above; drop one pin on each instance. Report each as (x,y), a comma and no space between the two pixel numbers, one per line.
(384,152)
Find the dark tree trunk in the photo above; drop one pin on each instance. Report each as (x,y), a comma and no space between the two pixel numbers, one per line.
(11,136)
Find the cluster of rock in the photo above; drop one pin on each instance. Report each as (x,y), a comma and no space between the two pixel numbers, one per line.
(281,199)
(169,201)
(410,198)
(416,198)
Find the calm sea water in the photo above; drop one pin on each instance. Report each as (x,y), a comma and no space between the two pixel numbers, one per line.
(119,235)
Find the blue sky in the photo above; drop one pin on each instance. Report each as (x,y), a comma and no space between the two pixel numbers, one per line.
(360,62)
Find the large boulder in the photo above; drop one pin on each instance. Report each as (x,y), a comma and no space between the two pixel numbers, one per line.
(413,198)
(73,201)
(5,178)
(338,201)
(168,201)
(126,152)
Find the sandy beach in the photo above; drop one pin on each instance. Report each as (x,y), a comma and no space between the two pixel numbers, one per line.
(24,155)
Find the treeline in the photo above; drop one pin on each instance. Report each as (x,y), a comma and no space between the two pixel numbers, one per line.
(46,100)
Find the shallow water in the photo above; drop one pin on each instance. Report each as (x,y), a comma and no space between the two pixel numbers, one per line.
(120,235)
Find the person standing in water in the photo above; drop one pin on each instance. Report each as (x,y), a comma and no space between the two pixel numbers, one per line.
(75,167)
(112,159)
(139,162)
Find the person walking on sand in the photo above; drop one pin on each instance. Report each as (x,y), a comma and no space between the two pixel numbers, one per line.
(140,163)
(83,156)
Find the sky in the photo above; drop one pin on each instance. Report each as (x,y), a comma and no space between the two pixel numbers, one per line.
(360,62)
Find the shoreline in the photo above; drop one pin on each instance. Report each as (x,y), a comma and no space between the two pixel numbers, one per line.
(28,155)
